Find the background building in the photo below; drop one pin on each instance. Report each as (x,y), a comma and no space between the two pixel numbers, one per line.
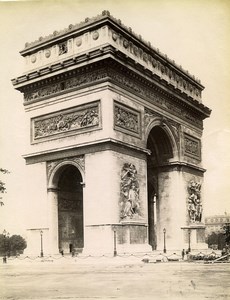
(216,235)
(215,223)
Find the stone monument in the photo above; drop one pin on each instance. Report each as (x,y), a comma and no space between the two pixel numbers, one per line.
(114,135)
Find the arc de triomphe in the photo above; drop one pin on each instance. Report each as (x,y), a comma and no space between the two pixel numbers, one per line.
(115,133)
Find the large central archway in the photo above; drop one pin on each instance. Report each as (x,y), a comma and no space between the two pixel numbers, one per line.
(160,145)
(70,210)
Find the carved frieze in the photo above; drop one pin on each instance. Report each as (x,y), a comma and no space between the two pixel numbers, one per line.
(71,120)
(155,97)
(126,81)
(130,202)
(159,68)
(192,146)
(42,92)
(126,119)
(64,85)
(194,202)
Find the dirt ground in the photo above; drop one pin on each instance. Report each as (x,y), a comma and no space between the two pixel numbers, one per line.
(113,279)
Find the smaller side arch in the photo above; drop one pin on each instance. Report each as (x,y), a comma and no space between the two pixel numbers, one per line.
(57,170)
(166,127)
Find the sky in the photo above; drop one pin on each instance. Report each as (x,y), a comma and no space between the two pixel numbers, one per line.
(196,34)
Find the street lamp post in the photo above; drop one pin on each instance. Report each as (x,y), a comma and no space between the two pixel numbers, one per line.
(189,240)
(115,243)
(41,233)
(164,231)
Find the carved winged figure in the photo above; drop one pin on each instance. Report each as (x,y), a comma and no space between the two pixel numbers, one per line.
(194,202)
(130,202)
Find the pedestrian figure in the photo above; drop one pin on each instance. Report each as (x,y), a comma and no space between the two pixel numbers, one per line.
(62,252)
(223,252)
(183,254)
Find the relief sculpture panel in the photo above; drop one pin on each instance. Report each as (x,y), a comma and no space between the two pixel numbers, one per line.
(126,119)
(71,120)
(192,146)
(130,204)
(194,202)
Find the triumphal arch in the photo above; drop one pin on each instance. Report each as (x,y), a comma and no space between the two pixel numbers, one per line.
(115,127)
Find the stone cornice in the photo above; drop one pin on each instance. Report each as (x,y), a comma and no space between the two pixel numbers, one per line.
(145,84)
(116,34)
(105,15)
(155,84)
(194,226)
(85,148)
(105,145)
(47,72)
(181,166)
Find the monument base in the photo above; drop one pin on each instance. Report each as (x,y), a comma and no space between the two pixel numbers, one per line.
(194,237)
(126,237)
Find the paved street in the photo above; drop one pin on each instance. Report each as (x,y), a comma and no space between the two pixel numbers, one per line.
(116,278)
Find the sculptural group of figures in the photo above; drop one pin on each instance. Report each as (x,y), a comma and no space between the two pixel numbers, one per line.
(65,122)
(130,205)
(194,202)
(130,201)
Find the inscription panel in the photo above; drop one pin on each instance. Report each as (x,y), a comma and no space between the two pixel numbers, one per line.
(66,122)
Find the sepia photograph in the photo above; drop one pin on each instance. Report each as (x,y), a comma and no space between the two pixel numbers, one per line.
(115,149)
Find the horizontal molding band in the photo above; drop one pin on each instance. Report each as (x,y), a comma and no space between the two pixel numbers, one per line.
(86,148)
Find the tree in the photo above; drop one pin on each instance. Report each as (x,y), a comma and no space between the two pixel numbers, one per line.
(226,229)
(216,240)
(2,185)
(17,244)
(2,244)
(12,245)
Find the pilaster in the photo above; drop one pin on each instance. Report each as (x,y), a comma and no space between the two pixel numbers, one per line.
(52,198)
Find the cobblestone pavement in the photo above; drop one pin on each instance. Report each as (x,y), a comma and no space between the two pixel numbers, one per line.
(115,278)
